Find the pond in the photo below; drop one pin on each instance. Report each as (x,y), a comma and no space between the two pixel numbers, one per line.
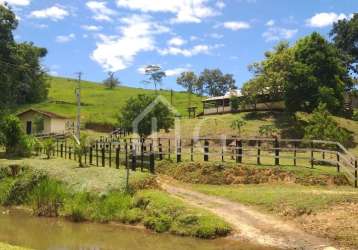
(20,228)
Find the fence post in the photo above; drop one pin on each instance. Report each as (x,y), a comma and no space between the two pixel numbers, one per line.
(103,155)
(312,155)
(338,160)
(61,146)
(223,144)
(110,154)
(295,154)
(169,151)
(206,150)
(141,155)
(277,152)
(151,162)
(126,150)
(356,173)
(70,153)
(160,146)
(91,155)
(57,149)
(259,152)
(134,159)
(238,151)
(192,150)
(178,143)
(85,155)
(117,157)
(65,149)
(97,153)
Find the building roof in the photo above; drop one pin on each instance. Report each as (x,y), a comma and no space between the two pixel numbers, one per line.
(228,95)
(44,113)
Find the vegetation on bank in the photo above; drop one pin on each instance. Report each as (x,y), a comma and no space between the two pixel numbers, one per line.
(4,246)
(48,196)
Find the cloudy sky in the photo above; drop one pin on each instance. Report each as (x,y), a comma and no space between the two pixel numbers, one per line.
(125,35)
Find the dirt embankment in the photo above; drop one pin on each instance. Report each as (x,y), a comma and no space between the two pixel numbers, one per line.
(217,174)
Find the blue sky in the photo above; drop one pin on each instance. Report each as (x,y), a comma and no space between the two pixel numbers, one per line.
(179,35)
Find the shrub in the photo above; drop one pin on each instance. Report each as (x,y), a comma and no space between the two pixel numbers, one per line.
(234,102)
(13,138)
(160,223)
(268,131)
(77,207)
(238,124)
(49,147)
(47,198)
(355,116)
(37,147)
(322,127)
(81,148)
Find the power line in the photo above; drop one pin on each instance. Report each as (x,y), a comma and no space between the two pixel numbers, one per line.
(78,96)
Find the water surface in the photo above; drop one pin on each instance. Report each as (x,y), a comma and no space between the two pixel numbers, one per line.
(20,228)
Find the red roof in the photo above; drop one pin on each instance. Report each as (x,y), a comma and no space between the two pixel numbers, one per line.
(45,113)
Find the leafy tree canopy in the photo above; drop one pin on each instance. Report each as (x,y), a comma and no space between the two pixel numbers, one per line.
(345,37)
(189,81)
(22,78)
(215,83)
(111,82)
(155,75)
(136,105)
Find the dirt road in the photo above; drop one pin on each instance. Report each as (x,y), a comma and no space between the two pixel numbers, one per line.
(248,223)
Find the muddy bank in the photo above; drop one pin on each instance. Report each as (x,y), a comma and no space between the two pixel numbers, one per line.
(217,174)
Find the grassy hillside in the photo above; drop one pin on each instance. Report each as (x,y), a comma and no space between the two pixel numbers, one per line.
(99,104)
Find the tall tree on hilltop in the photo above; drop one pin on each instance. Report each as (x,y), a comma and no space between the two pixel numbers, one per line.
(215,83)
(111,82)
(188,80)
(155,75)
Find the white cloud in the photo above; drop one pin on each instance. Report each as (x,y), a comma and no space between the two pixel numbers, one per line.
(117,52)
(100,10)
(175,72)
(220,4)
(186,11)
(270,23)
(277,33)
(236,25)
(65,38)
(215,35)
(324,19)
(53,13)
(196,50)
(91,27)
(16,2)
(176,41)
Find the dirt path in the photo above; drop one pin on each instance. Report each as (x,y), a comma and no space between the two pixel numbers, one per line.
(248,223)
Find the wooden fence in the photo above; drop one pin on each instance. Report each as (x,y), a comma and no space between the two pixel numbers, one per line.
(115,151)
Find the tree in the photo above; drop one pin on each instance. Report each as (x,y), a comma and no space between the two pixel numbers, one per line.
(215,83)
(345,37)
(188,80)
(13,138)
(270,76)
(49,147)
(136,105)
(321,126)
(238,124)
(81,148)
(268,131)
(22,78)
(111,82)
(317,74)
(235,103)
(155,75)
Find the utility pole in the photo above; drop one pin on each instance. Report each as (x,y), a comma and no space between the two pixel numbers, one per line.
(78,97)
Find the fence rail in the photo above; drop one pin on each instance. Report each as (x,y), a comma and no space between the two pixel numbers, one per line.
(138,152)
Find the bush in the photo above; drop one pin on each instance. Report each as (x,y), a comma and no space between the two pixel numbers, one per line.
(47,198)
(160,223)
(234,102)
(49,147)
(322,127)
(355,116)
(13,138)
(268,131)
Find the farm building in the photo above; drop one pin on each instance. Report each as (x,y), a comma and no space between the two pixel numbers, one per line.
(222,104)
(43,122)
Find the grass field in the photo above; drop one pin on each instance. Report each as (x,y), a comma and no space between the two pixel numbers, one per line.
(99,104)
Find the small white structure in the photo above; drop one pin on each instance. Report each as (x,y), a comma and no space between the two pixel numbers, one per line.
(43,122)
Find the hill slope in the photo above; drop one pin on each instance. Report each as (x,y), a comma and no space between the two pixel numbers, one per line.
(99,104)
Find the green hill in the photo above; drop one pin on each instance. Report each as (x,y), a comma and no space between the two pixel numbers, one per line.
(99,104)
